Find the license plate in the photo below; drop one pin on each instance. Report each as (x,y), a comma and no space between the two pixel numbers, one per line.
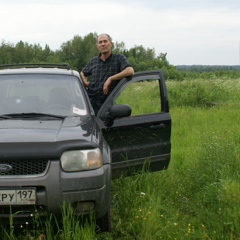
(17,196)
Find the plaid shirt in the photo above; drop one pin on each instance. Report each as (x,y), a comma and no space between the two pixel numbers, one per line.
(100,71)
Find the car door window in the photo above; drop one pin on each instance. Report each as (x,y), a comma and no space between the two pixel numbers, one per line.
(143,97)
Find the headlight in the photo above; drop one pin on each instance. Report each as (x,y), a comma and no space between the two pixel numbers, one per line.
(80,160)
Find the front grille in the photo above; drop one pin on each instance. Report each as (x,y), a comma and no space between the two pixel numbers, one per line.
(24,167)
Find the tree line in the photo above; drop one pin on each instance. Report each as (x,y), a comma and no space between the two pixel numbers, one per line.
(79,50)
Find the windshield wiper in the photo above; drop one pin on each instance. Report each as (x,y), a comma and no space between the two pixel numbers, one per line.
(31,115)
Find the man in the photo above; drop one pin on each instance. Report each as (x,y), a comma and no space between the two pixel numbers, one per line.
(106,70)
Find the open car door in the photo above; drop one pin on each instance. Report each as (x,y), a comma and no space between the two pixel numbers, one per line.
(136,124)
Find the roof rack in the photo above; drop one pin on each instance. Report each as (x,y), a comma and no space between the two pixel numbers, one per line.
(34,65)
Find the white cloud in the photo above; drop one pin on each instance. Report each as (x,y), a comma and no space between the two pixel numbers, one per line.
(196,35)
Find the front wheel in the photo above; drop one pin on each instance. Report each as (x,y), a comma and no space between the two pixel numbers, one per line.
(105,222)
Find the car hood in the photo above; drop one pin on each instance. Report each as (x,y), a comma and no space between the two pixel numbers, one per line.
(45,139)
(21,130)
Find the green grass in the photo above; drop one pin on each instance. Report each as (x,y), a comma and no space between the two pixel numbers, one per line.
(198,196)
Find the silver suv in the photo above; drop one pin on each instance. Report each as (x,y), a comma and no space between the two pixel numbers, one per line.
(54,149)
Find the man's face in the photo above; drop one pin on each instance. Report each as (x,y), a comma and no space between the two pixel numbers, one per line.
(103,44)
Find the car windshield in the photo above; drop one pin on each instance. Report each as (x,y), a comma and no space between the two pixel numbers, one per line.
(41,93)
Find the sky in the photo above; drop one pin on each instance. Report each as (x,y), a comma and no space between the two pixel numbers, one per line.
(191,32)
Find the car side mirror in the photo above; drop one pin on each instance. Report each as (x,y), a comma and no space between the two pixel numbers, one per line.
(117,111)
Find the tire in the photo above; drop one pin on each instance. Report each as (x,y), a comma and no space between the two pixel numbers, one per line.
(104,223)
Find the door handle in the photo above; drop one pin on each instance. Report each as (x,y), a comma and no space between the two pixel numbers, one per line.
(161,125)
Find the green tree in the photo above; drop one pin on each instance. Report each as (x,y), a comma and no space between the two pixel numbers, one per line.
(23,52)
(78,51)
(6,53)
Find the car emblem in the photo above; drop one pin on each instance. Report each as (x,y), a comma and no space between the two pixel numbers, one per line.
(4,168)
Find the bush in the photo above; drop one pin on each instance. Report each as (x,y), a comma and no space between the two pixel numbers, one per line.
(196,93)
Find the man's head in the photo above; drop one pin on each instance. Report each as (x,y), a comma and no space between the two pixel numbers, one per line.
(104,44)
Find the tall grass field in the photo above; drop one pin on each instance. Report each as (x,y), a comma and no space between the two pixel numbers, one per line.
(197,197)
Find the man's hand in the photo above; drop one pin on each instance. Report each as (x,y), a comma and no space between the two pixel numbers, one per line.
(106,86)
(127,72)
(86,84)
(84,80)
